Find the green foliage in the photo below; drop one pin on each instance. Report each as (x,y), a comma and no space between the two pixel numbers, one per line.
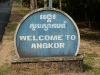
(56,3)
(81,10)
(40,3)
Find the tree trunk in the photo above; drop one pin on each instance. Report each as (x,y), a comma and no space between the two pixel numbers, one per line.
(32,4)
(21,3)
(60,5)
(45,3)
(36,6)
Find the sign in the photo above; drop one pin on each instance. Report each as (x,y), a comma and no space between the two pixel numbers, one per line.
(47,32)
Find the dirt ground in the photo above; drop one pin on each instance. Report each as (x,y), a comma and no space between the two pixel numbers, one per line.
(5,51)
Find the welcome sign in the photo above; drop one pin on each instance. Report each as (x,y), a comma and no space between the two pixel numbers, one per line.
(47,32)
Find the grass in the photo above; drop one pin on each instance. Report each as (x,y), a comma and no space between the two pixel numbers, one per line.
(10,30)
(5,69)
(45,73)
(92,63)
(90,35)
(17,9)
(11,27)
(91,59)
(91,55)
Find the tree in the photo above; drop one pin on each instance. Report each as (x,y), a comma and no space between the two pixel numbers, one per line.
(33,4)
(80,10)
(45,3)
(60,5)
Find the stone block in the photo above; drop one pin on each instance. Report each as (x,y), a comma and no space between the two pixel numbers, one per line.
(52,65)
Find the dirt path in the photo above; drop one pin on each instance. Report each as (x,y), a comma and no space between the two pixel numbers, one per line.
(5,51)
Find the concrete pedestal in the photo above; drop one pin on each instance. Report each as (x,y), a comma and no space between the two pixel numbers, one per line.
(52,65)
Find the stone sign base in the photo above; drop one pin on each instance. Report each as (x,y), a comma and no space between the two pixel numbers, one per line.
(52,65)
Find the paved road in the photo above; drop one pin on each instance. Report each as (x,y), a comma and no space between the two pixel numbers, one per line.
(5,10)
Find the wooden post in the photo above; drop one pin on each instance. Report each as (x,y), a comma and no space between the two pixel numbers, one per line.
(50,3)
